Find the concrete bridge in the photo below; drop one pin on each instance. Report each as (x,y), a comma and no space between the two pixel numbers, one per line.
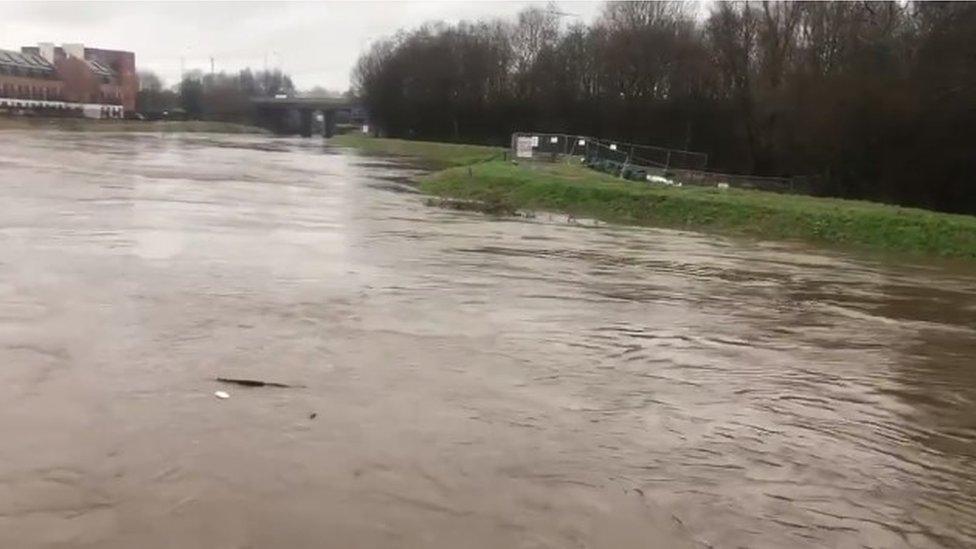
(301,115)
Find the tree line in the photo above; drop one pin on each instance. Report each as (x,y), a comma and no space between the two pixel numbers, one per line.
(872,100)
(218,96)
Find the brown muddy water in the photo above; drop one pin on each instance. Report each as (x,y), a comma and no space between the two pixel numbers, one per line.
(475,382)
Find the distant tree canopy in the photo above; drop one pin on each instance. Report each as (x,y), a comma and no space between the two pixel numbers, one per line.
(877,100)
(320,91)
(217,96)
(153,97)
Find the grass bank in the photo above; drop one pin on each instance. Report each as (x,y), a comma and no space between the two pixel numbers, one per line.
(88,125)
(582,192)
(435,155)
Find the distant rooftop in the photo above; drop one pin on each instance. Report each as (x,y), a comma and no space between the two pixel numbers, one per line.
(30,58)
(29,61)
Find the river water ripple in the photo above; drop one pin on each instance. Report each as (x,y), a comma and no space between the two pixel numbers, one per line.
(474,382)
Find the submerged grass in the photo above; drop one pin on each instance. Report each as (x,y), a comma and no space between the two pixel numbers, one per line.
(435,155)
(582,192)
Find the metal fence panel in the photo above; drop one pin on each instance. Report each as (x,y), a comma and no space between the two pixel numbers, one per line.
(636,161)
(545,145)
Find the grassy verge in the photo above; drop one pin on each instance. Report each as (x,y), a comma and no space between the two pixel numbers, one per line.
(87,125)
(582,192)
(435,155)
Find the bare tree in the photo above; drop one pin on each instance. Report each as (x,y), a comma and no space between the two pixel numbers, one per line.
(870,98)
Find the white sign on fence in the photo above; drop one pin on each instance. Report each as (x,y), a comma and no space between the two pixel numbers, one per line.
(523,146)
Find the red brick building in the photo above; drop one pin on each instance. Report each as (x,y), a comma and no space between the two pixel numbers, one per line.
(28,77)
(96,82)
(122,65)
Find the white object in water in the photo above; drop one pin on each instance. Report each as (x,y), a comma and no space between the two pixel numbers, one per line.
(221,394)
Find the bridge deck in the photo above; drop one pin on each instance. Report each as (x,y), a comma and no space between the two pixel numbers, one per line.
(314,103)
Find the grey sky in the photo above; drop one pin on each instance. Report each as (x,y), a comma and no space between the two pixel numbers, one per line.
(316,42)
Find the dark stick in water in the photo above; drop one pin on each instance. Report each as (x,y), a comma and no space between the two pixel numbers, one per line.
(254,382)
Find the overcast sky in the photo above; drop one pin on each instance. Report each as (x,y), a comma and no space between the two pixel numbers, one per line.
(316,42)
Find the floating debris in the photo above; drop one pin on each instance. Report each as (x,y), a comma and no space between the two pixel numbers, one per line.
(254,383)
(221,394)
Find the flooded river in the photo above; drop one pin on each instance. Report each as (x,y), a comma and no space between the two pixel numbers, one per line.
(461,381)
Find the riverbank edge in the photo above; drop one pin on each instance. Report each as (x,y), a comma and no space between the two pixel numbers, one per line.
(471,172)
(134,126)
(431,154)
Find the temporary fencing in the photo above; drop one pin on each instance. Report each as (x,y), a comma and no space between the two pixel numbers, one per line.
(644,162)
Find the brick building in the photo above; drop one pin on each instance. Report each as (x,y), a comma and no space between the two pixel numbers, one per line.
(94,82)
(25,76)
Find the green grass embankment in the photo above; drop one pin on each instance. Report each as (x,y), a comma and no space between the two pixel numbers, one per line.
(435,155)
(472,175)
(89,125)
(582,192)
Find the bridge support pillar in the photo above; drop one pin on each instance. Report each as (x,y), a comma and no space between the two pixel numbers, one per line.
(305,128)
(328,123)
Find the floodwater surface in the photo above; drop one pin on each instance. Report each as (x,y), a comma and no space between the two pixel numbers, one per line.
(459,380)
